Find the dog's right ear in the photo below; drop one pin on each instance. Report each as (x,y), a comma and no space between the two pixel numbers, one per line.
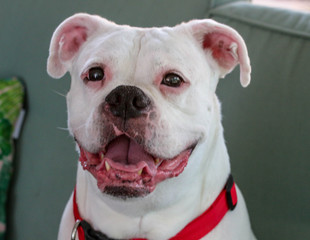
(68,38)
(225,45)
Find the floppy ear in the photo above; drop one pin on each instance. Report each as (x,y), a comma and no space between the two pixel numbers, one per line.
(67,39)
(225,45)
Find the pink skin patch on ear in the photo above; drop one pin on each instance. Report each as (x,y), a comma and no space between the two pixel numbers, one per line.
(71,41)
(222,48)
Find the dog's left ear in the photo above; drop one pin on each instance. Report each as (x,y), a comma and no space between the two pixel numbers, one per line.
(225,45)
(69,37)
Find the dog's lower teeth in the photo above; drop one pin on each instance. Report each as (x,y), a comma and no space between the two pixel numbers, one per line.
(101,156)
(107,166)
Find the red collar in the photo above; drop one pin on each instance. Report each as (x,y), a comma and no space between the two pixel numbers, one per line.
(198,228)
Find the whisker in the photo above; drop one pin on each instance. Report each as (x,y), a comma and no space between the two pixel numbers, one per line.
(62,128)
(60,94)
(81,126)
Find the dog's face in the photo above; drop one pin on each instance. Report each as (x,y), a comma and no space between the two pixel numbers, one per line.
(141,99)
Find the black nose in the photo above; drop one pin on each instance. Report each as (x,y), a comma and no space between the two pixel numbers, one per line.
(128,102)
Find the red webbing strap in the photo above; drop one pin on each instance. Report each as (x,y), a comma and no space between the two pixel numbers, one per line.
(77,217)
(200,226)
(206,222)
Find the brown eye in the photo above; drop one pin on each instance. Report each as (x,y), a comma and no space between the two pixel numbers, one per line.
(172,80)
(95,74)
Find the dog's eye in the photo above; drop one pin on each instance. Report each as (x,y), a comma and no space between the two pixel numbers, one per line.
(172,80)
(95,74)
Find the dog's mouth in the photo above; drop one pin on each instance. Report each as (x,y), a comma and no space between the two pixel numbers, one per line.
(125,169)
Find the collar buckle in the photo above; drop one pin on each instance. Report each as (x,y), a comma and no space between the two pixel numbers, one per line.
(75,229)
(231,194)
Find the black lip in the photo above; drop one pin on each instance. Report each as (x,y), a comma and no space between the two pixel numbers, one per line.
(125,192)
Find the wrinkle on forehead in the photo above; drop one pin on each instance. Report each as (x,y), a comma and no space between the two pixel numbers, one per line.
(118,49)
(166,49)
(140,39)
(137,55)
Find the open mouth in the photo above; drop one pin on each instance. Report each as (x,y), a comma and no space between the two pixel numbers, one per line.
(125,169)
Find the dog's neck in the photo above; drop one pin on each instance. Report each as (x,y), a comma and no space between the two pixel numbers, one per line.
(171,206)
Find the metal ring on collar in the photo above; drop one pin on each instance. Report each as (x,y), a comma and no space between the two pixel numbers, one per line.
(75,228)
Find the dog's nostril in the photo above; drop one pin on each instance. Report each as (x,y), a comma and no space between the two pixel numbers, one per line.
(128,102)
(140,102)
(114,99)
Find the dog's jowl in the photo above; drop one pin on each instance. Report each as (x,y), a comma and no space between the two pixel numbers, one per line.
(147,124)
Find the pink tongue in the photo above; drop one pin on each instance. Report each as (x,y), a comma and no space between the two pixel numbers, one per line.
(126,151)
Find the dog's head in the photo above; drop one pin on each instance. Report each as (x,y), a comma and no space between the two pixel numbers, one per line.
(141,99)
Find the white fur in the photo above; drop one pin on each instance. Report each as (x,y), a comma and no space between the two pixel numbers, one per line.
(140,57)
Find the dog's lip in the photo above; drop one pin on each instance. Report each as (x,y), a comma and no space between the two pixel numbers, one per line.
(143,173)
(100,162)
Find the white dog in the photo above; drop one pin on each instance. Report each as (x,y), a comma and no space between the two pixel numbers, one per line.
(147,123)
